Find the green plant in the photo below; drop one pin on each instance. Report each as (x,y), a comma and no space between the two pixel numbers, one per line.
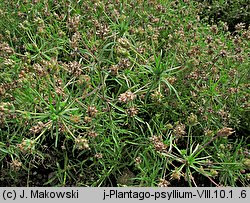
(131,93)
(233,13)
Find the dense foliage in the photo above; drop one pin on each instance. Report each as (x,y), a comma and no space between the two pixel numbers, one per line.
(232,12)
(114,93)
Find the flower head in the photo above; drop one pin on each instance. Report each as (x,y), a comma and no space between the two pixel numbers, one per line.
(224,132)
(81,143)
(126,97)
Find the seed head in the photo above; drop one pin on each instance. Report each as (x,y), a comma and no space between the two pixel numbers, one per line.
(74,68)
(223,53)
(124,42)
(102,30)
(2,91)
(224,132)
(37,128)
(138,160)
(26,146)
(171,79)
(75,118)
(208,132)
(16,165)
(92,111)
(59,91)
(114,69)
(124,63)
(158,143)
(214,29)
(98,155)
(209,39)
(5,49)
(74,42)
(84,79)
(81,143)
(157,96)
(192,120)
(40,70)
(163,183)
(87,119)
(73,22)
(176,175)
(132,111)
(92,134)
(126,97)
(179,130)
(239,26)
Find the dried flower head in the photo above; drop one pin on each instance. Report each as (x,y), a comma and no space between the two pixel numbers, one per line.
(176,175)
(158,143)
(124,42)
(73,22)
(214,29)
(92,133)
(87,119)
(132,111)
(179,130)
(156,96)
(15,165)
(138,160)
(99,155)
(192,120)
(37,128)
(75,118)
(114,69)
(126,97)
(74,42)
(92,111)
(163,183)
(102,30)
(224,132)
(40,70)
(124,63)
(240,26)
(74,68)
(5,49)
(81,143)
